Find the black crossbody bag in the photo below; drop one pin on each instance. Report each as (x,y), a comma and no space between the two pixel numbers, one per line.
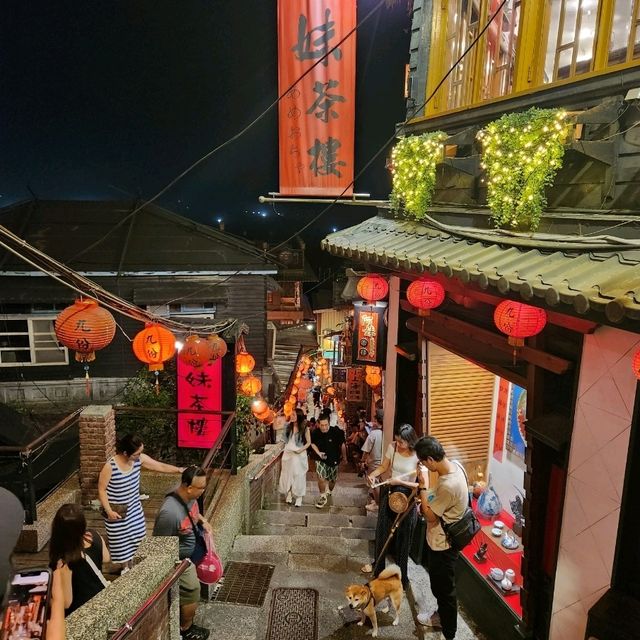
(200,550)
(461,532)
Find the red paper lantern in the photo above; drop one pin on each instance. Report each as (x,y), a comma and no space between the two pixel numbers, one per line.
(218,347)
(287,408)
(372,287)
(373,379)
(154,345)
(250,386)
(636,364)
(245,363)
(196,351)
(259,406)
(85,327)
(519,321)
(425,294)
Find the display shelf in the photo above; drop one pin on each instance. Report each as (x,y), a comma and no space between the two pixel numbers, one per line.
(496,557)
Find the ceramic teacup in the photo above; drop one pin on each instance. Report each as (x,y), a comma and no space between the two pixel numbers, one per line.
(510,574)
(497,573)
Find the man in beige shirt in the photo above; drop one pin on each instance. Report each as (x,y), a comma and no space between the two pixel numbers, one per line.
(448,503)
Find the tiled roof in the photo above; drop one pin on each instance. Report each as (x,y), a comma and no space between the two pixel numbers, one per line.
(590,274)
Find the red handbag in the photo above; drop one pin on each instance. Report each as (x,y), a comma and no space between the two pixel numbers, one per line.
(210,568)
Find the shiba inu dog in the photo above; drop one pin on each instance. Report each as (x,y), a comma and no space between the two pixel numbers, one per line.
(365,597)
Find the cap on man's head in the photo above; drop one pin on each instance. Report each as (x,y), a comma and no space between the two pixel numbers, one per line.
(10,527)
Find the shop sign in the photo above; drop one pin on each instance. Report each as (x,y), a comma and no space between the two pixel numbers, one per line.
(369,334)
(317,113)
(199,391)
(356,388)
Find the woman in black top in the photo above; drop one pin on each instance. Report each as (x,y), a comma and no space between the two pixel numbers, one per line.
(78,555)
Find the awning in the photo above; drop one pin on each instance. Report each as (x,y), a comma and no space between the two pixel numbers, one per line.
(591,274)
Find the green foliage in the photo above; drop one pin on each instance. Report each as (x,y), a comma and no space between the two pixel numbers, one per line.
(413,166)
(246,426)
(522,153)
(157,429)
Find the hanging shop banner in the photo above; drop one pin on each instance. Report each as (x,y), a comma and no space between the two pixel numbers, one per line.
(369,334)
(317,115)
(356,384)
(501,419)
(199,390)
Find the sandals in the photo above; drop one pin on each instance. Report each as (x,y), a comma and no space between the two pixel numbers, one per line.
(367,568)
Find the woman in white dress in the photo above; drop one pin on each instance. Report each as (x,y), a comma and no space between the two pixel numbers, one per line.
(295,464)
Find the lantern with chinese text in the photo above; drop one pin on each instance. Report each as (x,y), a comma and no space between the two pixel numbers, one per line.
(196,351)
(218,347)
(636,364)
(154,345)
(250,386)
(519,321)
(86,328)
(425,294)
(372,287)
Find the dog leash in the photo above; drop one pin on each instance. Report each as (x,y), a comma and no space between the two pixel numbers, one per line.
(394,527)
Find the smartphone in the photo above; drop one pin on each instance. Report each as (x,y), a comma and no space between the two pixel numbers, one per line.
(28,606)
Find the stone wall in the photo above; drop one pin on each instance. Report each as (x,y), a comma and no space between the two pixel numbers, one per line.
(112,608)
(97,445)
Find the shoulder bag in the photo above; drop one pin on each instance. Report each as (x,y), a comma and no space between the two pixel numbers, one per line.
(461,532)
(200,550)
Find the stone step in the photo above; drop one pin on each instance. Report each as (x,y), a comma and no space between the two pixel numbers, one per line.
(302,545)
(335,500)
(320,518)
(309,507)
(343,532)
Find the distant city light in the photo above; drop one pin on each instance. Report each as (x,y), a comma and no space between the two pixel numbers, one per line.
(263,214)
(334,229)
(218,220)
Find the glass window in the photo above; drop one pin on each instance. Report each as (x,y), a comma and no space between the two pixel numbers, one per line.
(30,341)
(501,39)
(624,44)
(462,27)
(571,38)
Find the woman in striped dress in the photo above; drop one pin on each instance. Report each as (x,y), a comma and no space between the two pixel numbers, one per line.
(119,485)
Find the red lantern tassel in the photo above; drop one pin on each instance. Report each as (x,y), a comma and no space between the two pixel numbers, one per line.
(157,385)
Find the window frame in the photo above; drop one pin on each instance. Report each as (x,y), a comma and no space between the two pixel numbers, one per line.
(31,333)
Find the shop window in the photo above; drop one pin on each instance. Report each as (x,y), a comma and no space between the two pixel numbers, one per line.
(462,27)
(30,342)
(624,43)
(500,53)
(571,38)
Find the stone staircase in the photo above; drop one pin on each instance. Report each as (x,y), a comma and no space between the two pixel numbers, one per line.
(335,538)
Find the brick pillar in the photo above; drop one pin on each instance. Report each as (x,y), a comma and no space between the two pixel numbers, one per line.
(97,445)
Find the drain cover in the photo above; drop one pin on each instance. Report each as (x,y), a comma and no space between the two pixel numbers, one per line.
(294,615)
(244,583)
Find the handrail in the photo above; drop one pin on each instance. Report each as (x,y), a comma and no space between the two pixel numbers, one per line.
(263,468)
(124,630)
(219,440)
(60,426)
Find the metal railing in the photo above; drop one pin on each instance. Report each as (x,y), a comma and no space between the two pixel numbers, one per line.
(132,623)
(34,470)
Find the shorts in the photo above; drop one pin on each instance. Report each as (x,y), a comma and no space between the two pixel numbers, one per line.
(189,586)
(326,471)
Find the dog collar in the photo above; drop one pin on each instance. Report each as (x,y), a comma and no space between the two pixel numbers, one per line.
(366,604)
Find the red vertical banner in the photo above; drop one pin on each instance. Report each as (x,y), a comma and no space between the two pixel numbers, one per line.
(501,419)
(317,115)
(199,389)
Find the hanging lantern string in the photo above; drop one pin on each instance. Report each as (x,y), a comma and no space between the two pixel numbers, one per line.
(58,271)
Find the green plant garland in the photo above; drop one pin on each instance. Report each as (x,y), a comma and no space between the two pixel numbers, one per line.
(414,160)
(245,425)
(522,153)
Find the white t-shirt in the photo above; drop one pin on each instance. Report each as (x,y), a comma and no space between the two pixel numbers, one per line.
(450,502)
(402,464)
(373,446)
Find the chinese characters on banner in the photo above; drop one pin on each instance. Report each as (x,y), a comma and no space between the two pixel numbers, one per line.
(317,115)
(369,334)
(501,419)
(199,389)
(355,384)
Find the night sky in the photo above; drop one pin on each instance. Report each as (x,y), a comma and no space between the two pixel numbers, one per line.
(112,99)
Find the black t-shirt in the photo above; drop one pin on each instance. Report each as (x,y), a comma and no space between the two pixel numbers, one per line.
(330,443)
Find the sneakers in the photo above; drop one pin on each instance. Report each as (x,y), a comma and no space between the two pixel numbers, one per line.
(289,498)
(194,632)
(430,620)
(322,501)
(298,501)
